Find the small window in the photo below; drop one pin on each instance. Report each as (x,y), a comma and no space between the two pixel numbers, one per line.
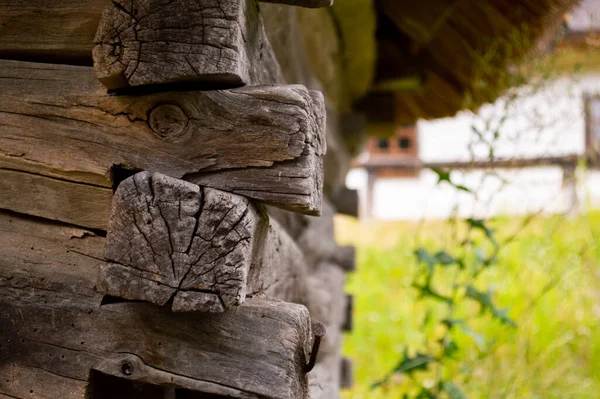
(404,143)
(383,144)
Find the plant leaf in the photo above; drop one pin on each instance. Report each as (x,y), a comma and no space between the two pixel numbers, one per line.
(485,301)
(478,338)
(425,290)
(479,224)
(409,365)
(444,258)
(424,256)
(442,175)
(425,393)
(453,391)
(450,347)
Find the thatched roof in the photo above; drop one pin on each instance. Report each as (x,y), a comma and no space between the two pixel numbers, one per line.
(441,56)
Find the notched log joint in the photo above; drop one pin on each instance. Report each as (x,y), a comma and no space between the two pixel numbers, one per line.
(173,240)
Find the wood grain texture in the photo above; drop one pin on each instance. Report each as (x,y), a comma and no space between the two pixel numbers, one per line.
(49,256)
(48,31)
(64,31)
(315,236)
(55,328)
(58,121)
(346,202)
(150,42)
(56,339)
(326,284)
(204,249)
(37,195)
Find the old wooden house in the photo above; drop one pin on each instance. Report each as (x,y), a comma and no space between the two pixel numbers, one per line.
(162,167)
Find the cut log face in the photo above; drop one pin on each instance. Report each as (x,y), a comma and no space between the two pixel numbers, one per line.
(58,122)
(149,42)
(204,248)
(169,238)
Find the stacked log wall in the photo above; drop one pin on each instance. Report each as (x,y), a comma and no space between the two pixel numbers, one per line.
(45,99)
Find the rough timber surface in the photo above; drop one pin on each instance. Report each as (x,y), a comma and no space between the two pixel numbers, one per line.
(150,42)
(59,122)
(204,249)
(64,31)
(64,337)
(315,236)
(327,285)
(55,328)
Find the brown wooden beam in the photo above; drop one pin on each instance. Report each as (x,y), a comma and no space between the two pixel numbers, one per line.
(56,328)
(152,42)
(64,134)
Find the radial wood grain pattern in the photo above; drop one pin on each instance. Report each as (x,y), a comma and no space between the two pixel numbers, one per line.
(155,42)
(56,327)
(203,248)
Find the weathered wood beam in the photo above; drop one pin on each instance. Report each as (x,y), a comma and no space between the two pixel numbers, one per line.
(75,203)
(217,41)
(345,257)
(346,202)
(152,42)
(315,236)
(49,256)
(326,283)
(65,337)
(63,31)
(56,327)
(58,122)
(204,249)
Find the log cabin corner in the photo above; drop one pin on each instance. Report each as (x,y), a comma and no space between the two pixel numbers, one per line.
(169,172)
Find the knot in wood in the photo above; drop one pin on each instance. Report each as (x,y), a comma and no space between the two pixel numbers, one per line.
(168,122)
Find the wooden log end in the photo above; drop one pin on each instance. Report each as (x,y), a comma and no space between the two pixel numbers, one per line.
(295,182)
(168,238)
(345,257)
(143,42)
(346,202)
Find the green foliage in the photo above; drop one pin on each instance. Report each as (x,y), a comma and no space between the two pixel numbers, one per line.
(549,276)
(465,261)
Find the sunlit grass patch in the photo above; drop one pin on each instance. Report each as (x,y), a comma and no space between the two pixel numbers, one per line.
(549,278)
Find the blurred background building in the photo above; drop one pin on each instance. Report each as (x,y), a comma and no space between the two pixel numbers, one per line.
(518,155)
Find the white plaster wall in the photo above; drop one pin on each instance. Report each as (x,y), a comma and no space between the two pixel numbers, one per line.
(548,122)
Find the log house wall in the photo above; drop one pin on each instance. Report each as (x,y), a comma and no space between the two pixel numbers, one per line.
(61,324)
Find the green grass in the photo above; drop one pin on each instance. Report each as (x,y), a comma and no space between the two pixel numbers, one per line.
(549,278)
